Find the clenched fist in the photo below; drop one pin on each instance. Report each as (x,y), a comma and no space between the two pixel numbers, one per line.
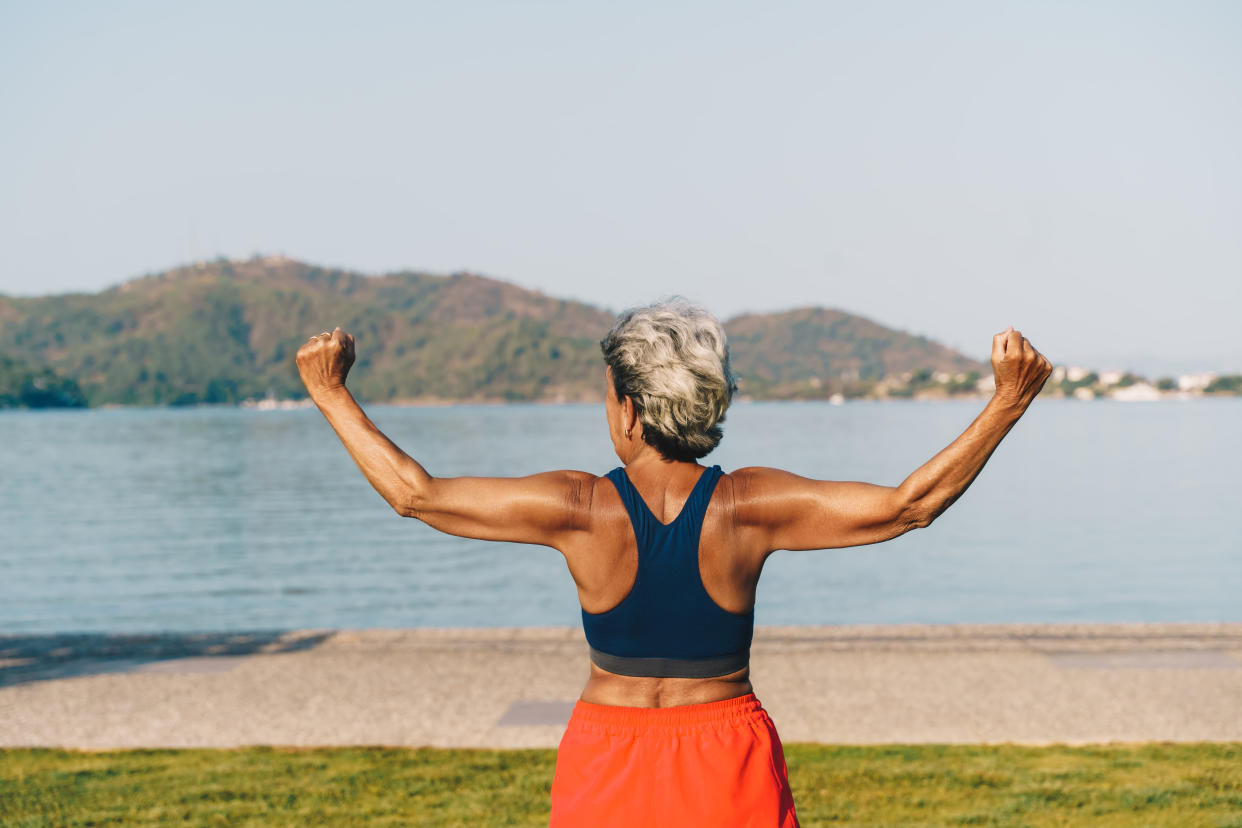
(325,360)
(1019,369)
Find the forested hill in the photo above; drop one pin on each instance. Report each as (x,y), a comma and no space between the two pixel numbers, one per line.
(226,331)
(815,352)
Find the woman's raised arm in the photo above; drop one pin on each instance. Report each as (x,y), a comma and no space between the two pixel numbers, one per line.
(792,512)
(542,509)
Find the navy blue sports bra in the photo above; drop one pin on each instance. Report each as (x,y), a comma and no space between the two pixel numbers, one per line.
(668,626)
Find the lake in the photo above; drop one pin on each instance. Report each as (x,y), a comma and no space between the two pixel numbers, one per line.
(144,520)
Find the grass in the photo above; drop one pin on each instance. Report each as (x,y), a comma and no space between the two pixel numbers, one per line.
(1154,785)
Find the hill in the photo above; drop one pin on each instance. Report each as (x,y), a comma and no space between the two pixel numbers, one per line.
(814,352)
(226,331)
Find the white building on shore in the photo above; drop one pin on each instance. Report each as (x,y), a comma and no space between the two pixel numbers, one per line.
(1110,378)
(1195,382)
(1076,373)
(1138,392)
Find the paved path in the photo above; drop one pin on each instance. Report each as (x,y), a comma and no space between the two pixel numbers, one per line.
(515,687)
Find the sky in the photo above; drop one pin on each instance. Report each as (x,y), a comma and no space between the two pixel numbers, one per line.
(949,168)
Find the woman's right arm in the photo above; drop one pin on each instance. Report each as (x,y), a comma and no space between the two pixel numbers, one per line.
(780,510)
(547,509)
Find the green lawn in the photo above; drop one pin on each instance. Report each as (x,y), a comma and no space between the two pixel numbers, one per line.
(1156,785)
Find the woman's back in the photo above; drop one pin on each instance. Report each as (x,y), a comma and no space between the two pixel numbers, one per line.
(667,595)
(605,560)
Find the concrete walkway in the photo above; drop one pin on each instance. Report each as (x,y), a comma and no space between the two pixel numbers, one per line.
(515,687)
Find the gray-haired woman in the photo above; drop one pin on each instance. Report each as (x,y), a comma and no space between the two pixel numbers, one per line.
(666,555)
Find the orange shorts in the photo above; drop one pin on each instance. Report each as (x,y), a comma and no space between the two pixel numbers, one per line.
(718,764)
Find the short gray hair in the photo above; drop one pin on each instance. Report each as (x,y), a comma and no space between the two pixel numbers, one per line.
(672,359)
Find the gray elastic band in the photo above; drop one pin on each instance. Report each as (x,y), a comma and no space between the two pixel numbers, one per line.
(672,667)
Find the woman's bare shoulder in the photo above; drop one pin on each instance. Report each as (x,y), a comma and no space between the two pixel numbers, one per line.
(766,495)
(764,481)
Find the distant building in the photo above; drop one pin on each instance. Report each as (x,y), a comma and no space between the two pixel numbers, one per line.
(986,385)
(1108,378)
(940,377)
(1084,394)
(1058,374)
(1138,392)
(1195,382)
(1076,374)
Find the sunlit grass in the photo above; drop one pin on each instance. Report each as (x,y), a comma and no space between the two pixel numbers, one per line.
(1148,785)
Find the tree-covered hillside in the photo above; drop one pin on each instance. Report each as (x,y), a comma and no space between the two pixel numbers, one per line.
(813,352)
(23,385)
(227,331)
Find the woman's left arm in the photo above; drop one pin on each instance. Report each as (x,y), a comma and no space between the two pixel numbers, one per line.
(542,509)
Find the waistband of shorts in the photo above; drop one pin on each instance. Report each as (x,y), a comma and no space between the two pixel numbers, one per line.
(665,719)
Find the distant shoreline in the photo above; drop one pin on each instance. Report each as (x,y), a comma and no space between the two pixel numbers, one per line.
(295,405)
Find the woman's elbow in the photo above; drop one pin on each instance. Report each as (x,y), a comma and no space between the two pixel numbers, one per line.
(915,514)
(410,501)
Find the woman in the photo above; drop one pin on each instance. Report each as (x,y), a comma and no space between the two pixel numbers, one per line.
(666,555)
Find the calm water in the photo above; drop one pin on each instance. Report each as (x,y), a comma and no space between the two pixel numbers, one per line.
(226,519)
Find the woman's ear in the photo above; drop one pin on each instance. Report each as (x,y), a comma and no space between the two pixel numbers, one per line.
(629,415)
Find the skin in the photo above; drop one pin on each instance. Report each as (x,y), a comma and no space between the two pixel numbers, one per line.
(753,511)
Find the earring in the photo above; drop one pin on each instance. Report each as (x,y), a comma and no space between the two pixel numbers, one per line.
(627,434)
